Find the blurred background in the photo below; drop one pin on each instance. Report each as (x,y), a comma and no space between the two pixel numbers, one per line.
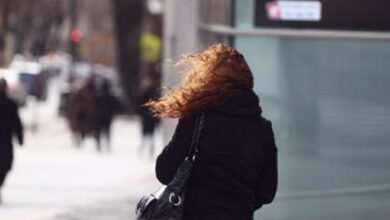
(321,71)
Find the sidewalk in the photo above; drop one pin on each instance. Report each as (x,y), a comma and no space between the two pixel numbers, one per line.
(118,208)
(51,179)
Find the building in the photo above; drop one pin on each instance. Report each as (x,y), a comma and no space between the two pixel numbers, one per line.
(326,93)
(96,22)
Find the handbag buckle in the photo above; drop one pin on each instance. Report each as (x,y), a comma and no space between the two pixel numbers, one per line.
(175,197)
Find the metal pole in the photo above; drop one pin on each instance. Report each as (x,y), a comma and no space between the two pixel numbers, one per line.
(73,25)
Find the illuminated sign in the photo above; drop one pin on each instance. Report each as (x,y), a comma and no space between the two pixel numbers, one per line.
(356,15)
(293,10)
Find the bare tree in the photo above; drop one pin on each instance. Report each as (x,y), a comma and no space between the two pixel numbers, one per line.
(30,23)
(128,23)
(4,9)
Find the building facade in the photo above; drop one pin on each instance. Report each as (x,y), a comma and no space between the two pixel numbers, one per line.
(327,96)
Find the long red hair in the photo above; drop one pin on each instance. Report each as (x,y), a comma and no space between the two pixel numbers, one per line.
(212,76)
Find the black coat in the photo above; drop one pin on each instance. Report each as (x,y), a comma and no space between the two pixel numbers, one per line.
(9,125)
(149,122)
(106,106)
(235,172)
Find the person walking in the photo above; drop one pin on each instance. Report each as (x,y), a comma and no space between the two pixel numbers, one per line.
(106,106)
(148,122)
(10,125)
(81,112)
(235,171)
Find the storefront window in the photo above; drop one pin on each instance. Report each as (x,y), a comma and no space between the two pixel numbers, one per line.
(329,103)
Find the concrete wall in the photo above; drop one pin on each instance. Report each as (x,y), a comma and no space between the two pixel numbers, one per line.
(180,36)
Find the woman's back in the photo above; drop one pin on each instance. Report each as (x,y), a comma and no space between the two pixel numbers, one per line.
(236,149)
(235,170)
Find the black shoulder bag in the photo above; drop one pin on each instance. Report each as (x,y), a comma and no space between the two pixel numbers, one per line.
(167,203)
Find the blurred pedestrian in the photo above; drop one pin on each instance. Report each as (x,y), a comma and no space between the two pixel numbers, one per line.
(106,105)
(81,110)
(148,121)
(235,170)
(10,125)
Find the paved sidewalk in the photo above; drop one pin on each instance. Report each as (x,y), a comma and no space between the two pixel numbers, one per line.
(121,208)
(51,179)
(110,210)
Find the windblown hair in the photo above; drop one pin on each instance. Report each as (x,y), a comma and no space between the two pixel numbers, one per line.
(212,76)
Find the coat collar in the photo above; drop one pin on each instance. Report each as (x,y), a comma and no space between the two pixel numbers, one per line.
(242,105)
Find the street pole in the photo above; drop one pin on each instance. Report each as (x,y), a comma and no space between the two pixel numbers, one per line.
(73,24)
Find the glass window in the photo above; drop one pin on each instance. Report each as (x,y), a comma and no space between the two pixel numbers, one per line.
(329,103)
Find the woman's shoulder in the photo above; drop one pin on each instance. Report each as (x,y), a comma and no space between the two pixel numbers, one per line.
(187,123)
(266,122)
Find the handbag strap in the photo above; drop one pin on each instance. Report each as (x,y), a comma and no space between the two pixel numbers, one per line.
(199,123)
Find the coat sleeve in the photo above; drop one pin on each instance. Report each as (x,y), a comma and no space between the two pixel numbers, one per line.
(17,127)
(175,152)
(267,180)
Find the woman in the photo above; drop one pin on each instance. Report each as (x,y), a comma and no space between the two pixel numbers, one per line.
(235,171)
(149,123)
(10,125)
